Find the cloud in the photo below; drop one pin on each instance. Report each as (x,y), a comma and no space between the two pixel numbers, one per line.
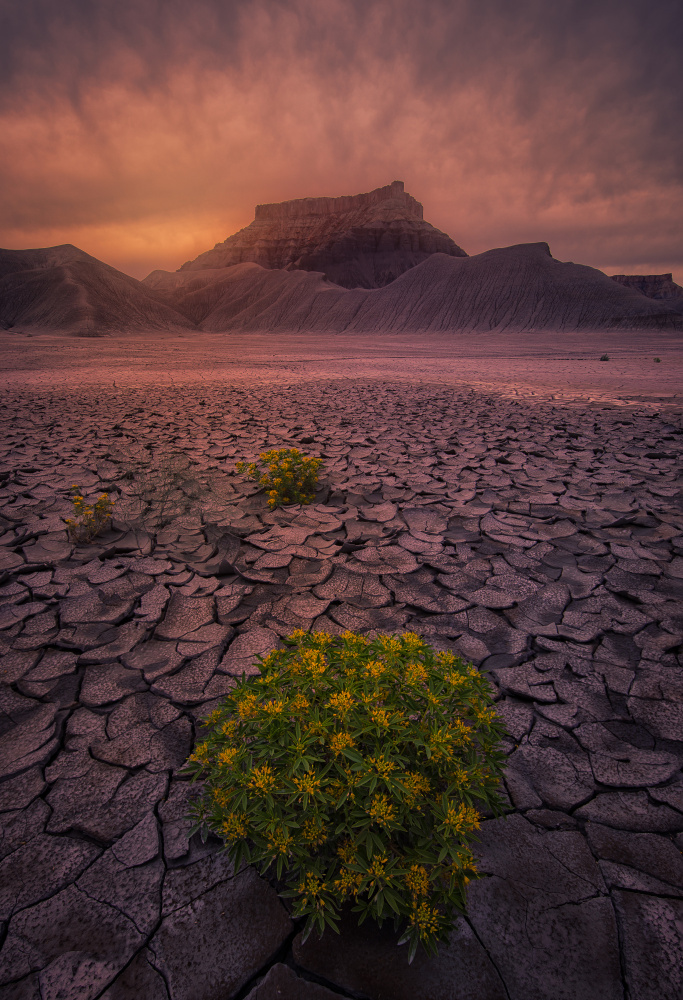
(147,130)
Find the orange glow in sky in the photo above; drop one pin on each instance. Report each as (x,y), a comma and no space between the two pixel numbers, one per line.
(144,133)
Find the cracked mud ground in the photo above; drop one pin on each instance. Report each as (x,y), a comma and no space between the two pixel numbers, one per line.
(543,541)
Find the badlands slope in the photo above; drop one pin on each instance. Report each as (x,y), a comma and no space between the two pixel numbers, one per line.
(514,288)
(63,288)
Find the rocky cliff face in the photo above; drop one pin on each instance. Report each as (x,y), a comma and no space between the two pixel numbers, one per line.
(357,241)
(655,286)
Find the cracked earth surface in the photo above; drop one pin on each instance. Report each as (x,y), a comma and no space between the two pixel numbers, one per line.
(541,540)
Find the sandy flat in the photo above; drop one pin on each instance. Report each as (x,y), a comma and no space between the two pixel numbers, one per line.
(557,366)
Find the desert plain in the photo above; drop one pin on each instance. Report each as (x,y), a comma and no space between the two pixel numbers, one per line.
(510,497)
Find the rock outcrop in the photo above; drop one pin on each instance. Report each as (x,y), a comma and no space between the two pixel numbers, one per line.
(654,286)
(515,288)
(358,241)
(65,289)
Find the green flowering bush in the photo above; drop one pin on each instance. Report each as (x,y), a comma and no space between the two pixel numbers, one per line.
(291,476)
(352,769)
(89,519)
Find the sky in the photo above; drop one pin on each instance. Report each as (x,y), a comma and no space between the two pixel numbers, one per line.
(145,131)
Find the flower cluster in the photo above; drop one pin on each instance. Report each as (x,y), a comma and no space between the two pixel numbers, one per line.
(89,519)
(291,476)
(357,770)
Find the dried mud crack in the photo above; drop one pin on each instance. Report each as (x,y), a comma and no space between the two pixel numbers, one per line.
(541,540)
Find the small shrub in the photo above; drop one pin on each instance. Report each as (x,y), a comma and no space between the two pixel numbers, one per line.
(291,476)
(352,769)
(89,519)
(605,357)
(658,360)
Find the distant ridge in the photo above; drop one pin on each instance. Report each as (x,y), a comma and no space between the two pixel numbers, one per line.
(383,273)
(356,241)
(654,286)
(514,288)
(66,290)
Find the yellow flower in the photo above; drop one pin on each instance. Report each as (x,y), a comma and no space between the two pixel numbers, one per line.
(378,866)
(313,661)
(271,659)
(417,789)
(462,819)
(417,881)
(314,831)
(274,707)
(448,659)
(381,810)
(458,774)
(339,741)
(443,741)
(462,733)
(412,641)
(341,702)
(456,679)
(312,886)
(348,883)
(374,669)
(262,778)
(228,756)
(279,840)
(321,639)
(246,706)
(380,717)
(309,784)
(201,753)
(390,643)
(299,703)
(382,765)
(235,826)
(425,919)
(464,862)
(416,673)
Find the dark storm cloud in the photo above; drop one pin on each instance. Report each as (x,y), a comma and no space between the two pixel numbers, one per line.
(510,120)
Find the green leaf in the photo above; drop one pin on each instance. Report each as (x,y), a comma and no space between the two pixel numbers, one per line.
(392,900)
(307,930)
(412,949)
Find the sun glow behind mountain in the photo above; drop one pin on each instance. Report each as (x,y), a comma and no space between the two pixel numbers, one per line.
(145,135)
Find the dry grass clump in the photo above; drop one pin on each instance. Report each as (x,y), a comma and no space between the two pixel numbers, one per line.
(160,485)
